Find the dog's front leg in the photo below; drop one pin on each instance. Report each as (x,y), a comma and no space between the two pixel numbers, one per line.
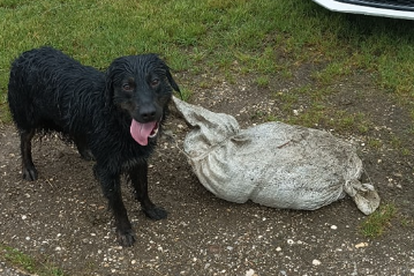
(112,190)
(29,171)
(139,178)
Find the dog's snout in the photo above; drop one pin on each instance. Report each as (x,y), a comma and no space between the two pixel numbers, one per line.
(148,113)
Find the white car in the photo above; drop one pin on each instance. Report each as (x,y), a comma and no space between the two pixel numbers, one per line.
(402,9)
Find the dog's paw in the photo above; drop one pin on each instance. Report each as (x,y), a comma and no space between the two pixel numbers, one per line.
(156,213)
(29,174)
(126,238)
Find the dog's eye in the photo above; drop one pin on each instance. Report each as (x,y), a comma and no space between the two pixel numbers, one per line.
(155,82)
(127,87)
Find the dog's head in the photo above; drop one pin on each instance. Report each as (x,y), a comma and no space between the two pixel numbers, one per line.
(141,86)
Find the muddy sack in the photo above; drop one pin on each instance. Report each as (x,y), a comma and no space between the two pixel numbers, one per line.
(273,164)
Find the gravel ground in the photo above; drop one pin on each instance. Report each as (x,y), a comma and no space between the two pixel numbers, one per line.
(62,218)
(6,270)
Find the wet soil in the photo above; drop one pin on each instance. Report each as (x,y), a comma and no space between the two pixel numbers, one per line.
(62,218)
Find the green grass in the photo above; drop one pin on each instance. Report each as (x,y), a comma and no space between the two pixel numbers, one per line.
(27,263)
(378,222)
(264,37)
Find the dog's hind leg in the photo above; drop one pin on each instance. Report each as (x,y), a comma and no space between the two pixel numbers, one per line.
(139,178)
(83,148)
(112,190)
(29,171)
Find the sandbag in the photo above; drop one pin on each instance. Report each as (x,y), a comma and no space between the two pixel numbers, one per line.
(273,164)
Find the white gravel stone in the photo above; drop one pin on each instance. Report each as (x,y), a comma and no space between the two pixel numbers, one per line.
(361,245)
(250,272)
(316,262)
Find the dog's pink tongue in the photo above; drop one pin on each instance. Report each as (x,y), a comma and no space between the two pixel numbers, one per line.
(140,131)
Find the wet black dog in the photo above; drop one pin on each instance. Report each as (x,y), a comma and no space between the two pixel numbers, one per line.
(112,117)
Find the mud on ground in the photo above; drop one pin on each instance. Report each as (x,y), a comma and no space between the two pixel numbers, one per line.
(62,218)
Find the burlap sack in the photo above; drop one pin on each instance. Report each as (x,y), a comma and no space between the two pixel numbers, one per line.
(273,164)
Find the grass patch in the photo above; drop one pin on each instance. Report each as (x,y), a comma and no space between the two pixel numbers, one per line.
(262,81)
(27,263)
(374,143)
(378,222)
(309,106)
(224,36)
(184,95)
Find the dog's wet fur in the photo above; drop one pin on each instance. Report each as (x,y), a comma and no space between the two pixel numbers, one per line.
(50,91)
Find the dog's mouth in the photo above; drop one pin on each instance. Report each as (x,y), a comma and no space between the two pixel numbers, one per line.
(141,132)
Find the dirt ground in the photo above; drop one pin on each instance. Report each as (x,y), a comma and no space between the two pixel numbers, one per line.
(62,218)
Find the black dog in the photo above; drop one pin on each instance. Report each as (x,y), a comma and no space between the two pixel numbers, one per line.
(112,117)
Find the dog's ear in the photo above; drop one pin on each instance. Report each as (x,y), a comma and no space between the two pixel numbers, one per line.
(109,85)
(171,80)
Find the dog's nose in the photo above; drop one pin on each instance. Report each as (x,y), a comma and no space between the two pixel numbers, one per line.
(148,113)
